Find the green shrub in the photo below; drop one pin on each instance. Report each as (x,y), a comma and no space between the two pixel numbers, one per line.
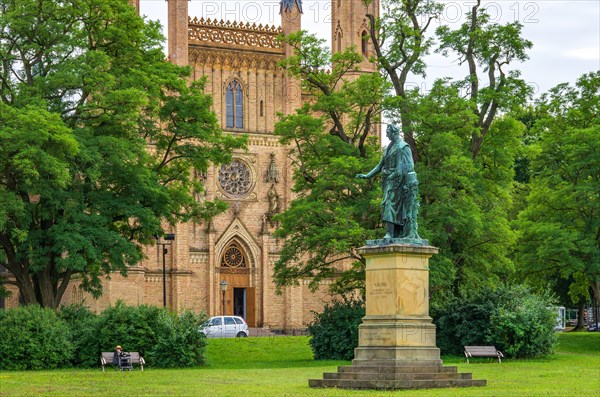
(180,344)
(162,338)
(511,318)
(463,320)
(524,328)
(334,333)
(133,327)
(36,338)
(33,338)
(83,325)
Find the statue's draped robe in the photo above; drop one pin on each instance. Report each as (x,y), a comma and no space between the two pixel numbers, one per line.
(395,165)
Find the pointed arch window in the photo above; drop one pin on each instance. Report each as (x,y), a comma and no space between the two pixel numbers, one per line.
(339,41)
(365,43)
(234,105)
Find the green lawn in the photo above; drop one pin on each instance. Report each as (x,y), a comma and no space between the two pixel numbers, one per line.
(281,366)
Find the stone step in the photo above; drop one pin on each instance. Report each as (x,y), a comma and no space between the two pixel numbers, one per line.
(397,363)
(397,376)
(444,375)
(394,384)
(396,369)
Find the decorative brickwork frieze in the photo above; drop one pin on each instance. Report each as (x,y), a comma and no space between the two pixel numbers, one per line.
(234,34)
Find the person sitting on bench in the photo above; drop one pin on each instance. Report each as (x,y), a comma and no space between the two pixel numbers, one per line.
(121,359)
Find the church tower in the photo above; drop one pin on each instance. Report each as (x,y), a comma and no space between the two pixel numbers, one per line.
(350,28)
(136,4)
(178,31)
(291,16)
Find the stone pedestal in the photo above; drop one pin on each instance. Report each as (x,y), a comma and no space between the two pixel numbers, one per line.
(396,345)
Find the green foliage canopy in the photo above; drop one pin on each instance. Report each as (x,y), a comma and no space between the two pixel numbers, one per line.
(560,226)
(99,143)
(464,150)
(332,136)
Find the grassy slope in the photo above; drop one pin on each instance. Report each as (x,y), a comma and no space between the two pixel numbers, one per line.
(281,366)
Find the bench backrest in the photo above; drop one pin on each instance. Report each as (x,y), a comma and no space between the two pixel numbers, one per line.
(481,350)
(134,356)
(108,356)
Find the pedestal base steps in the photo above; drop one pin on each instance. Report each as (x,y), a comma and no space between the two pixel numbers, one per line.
(400,375)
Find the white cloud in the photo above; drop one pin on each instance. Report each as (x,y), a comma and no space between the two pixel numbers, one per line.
(587,54)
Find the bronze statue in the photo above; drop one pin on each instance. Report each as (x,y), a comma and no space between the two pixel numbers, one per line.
(400,204)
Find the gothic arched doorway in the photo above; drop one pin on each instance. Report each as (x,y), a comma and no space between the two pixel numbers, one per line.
(240,298)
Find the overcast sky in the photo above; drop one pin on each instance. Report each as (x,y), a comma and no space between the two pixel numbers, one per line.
(565,34)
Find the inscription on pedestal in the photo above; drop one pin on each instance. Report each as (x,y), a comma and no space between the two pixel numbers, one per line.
(381,289)
(396,333)
(381,292)
(376,337)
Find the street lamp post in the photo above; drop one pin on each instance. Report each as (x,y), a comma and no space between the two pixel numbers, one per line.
(223,289)
(167,240)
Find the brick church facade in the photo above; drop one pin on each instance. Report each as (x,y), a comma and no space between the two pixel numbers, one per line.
(239,61)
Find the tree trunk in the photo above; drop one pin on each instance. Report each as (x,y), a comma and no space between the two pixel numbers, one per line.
(45,289)
(596,290)
(580,317)
(42,288)
(26,289)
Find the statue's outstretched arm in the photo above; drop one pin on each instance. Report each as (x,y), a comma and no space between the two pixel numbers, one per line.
(373,172)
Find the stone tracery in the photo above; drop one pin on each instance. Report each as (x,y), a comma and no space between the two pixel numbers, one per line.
(234,257)
(235,178)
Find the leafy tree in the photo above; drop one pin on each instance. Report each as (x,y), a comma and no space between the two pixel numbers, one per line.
(491,47)
(100,137)
(464,161)
(332,136)
(400,43)
(464,203)
(464,152)
(560,227)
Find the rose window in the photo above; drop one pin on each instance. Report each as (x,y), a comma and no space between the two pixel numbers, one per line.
(235,178)
(233,257)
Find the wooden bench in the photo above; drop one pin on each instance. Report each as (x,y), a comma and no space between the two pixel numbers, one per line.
(483,351)
(107,359)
